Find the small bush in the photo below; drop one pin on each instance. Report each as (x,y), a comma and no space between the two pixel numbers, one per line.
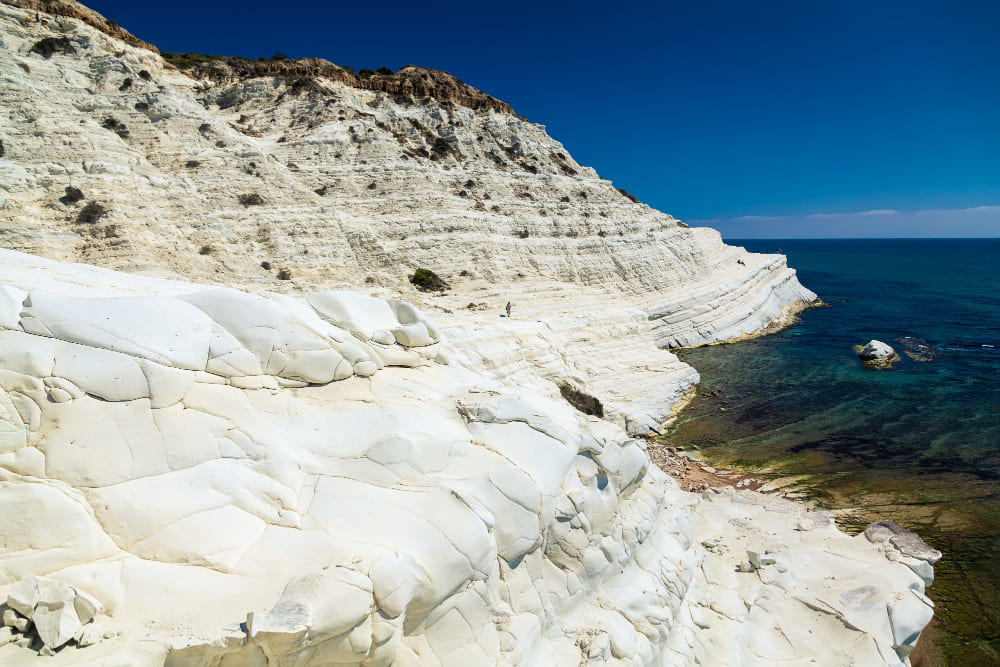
(252,199)
(126,84)
(305,85)
(206,250)
(523,234)
(266,265)
(204,128)
(90,214)
(116,126)
(441,146)
(73,195)
(371,186)
(284,274)
(145,76)
(384,71)
(142,106)
(2,149)
(628,196)
(585,403)
(428,281)
(51,45)
(564,199)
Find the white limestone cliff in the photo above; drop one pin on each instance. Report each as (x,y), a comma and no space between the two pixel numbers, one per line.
(336,183)
(239,478)
(286,454)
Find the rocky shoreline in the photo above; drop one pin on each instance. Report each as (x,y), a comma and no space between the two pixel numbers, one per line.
(371,404)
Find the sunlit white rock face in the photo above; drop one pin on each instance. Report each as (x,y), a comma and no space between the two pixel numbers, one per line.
(261,466)
(258,478)
(335,186)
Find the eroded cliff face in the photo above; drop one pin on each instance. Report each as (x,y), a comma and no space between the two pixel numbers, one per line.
(114,157)
(232,478)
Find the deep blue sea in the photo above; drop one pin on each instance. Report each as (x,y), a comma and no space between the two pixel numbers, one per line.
(919,444)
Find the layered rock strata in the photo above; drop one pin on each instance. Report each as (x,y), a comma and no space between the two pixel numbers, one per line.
(240,478)
(299,175)
(259,466)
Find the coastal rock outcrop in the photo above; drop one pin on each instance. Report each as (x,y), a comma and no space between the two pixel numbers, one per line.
(241,478)
(878,355)
(293,176)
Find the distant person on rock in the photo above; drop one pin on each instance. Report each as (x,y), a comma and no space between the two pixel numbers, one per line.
(508,309)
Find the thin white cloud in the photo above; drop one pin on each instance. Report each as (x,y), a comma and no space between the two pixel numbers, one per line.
(978,221)
(883,211)
(939,211)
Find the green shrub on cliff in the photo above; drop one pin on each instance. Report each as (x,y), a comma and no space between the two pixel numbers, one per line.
(585,403)
(428,281)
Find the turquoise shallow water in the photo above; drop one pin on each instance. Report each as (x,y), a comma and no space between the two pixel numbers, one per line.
(919,444)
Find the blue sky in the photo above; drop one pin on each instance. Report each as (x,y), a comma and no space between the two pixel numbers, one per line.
(763,119)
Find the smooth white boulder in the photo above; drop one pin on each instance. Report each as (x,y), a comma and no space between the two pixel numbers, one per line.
(23,596)
(166,331)
(54,610)
(55,616)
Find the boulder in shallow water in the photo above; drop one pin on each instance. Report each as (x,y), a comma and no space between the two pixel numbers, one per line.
(877,354)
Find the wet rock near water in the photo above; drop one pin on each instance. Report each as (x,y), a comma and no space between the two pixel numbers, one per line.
(878,355)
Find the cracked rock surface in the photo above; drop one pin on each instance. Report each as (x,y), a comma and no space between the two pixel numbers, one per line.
(240,478)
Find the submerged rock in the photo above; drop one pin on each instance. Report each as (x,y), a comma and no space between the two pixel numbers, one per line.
(918,349)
